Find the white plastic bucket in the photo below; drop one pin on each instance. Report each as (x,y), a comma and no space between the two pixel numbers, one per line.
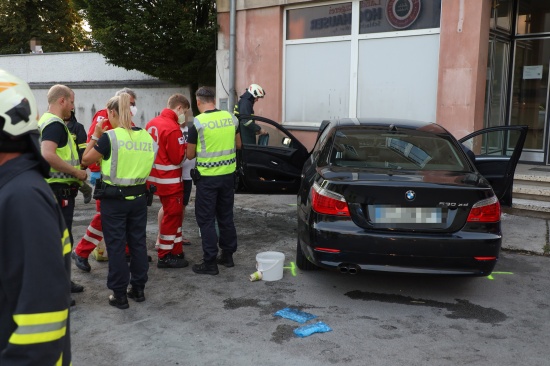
(271,265)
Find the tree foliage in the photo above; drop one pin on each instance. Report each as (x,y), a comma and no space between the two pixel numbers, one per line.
(173,40)
(54,22)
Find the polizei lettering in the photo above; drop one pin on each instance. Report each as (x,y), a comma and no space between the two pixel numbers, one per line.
(225,122)
(135,145)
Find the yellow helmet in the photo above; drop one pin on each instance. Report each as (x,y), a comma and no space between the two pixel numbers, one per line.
(18,110)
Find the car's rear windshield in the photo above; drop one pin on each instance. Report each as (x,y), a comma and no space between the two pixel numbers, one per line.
(409,150)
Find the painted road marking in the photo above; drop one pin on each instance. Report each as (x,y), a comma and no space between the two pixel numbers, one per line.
(491,275)
(292,269)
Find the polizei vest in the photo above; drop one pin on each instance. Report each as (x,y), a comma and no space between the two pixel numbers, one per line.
(216,143)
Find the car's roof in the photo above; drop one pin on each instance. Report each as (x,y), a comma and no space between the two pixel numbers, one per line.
(382,122)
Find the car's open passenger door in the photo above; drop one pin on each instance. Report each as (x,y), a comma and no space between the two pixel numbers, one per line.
(274,163)
(497,151)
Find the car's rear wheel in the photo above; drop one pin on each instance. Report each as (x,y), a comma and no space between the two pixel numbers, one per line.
(301,261)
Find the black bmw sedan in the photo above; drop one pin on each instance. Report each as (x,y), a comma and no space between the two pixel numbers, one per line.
(391,195)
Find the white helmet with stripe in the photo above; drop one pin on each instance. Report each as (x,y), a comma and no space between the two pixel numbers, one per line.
(18,110)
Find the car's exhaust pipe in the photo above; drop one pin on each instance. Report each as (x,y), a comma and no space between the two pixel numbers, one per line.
(349,268)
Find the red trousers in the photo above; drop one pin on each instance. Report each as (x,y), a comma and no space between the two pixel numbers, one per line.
(94,234)
(170,237)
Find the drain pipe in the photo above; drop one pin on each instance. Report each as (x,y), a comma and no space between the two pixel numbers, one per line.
(231,96)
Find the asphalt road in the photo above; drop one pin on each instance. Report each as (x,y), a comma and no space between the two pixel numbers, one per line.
(376,319)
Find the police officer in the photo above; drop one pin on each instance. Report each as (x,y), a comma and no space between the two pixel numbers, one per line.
(60,151)
(248,129)
(127,155)
(34,241)
(213,140)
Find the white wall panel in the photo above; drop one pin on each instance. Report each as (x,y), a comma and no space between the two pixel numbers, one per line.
(397,77)
(317,81)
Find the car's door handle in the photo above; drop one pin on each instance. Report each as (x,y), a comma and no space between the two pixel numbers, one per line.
(274,162)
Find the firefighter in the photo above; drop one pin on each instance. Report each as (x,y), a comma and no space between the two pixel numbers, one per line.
(127,155)
(34,264)
(94,232)
(213,139)
(60,151)
(166,176)
(248,128)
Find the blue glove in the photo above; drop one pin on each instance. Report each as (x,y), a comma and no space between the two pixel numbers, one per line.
(94,176)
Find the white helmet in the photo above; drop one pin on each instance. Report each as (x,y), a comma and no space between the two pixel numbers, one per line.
(256,91)
(18,110)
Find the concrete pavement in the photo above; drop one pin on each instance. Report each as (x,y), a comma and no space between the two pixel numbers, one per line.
(520,233)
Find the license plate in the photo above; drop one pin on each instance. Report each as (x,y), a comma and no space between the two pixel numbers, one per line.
(407,215)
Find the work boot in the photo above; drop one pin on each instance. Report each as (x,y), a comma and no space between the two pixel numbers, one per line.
(225,259)
(120,302)
(206,268)
(81,262)
(172,261)
(136,294)
(76,288)
(86,192)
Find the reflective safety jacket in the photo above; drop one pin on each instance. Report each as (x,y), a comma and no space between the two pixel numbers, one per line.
(166,172)
(131,159)
(67,153)
(35,269)
(216,143)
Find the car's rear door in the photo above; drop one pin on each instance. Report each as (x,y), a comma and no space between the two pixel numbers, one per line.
(274,163)
(497,151)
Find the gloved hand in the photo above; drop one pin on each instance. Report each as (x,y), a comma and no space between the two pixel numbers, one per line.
(94,176)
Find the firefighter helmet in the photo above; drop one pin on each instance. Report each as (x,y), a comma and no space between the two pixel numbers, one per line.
(18,110)
(256,91)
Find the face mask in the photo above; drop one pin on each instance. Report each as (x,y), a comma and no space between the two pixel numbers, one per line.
(133,110)
(181,119)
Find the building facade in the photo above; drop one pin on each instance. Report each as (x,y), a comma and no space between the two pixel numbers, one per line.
(465,64)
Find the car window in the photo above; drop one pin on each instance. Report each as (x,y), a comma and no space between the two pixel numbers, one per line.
(494,143)
(271,136)
(409,150)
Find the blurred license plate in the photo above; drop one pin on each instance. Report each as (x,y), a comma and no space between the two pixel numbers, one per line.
(406,215)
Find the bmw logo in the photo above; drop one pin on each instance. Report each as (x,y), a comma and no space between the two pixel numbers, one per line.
(410,195)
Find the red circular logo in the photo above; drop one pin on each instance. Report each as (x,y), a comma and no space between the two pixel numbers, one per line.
(402,13)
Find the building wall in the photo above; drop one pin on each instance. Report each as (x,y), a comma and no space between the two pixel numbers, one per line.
(93,81)
(463,65)
(462,59)
(259,57)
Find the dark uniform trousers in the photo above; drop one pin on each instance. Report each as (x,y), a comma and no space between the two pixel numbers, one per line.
(214,199)
(124,221)
(65,195)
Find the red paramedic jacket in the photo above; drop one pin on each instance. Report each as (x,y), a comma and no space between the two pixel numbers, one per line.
(166,172)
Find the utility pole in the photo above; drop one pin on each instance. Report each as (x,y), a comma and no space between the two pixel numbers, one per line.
(231,97)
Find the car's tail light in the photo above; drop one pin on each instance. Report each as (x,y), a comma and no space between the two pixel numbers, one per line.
(327,202)
(487,210)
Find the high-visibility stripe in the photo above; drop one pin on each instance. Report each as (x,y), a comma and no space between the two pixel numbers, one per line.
(167,237)
(66,242)
(166,167)
(204,154)
(82,146)
(178,239)
(39,328)
(95,231)
(91,239)
(165,246)
(164,180)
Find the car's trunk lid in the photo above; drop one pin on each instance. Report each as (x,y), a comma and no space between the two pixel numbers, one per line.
(437,201)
